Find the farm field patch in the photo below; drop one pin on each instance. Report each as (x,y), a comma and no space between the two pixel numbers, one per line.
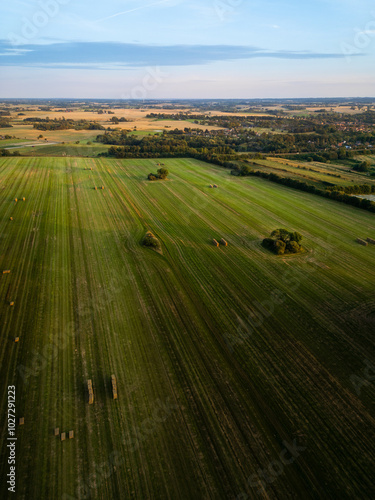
(223,356)
(319,174)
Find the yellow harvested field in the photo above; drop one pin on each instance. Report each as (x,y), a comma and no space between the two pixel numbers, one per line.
(137,119)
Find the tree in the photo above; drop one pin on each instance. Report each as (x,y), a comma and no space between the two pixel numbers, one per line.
(269,243)
(279,247)
(295,237)
(281,234)
(362,167)
(151,241)
(163,173)
(293,247)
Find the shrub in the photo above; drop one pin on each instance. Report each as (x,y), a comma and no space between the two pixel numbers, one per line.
(279,247)
(151,241)
(162,174)
(268,243)
(293,247)
(281,234)
(295,237)
(362,167)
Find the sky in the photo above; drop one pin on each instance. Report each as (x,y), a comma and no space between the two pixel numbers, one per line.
(180,49)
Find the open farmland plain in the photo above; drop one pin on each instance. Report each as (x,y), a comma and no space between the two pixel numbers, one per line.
(238,372)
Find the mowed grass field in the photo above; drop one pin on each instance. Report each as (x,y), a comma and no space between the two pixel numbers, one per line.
(67,149)
(316,173)
(226,358)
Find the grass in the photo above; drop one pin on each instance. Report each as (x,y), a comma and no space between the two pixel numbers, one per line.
(28,133)
(67,149)
(143,133)
(6,143)
(315,173)
(210,382)
(369,158)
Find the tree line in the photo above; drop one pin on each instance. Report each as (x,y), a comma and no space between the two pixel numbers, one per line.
(62,124)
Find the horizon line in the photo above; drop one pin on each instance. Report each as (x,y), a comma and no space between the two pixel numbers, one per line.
(188,98)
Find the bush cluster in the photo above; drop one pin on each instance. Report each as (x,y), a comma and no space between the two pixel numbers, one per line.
(283,242)
(161,174)
(151,241)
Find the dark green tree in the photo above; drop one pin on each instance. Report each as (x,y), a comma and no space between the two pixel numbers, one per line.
(281,234)
(293,247)
(295,237)
(279,247)
(163,173)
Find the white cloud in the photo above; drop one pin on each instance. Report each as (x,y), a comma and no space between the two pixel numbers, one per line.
(140,7)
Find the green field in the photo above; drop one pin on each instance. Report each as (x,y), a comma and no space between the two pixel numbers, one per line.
(67,149)
(223,356)
(29,133)
(6,143)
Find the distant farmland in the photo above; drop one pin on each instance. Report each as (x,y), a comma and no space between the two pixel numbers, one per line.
(226,358)
(315,173)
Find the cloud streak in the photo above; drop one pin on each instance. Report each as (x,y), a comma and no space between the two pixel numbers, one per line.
(131,10)
(127,55)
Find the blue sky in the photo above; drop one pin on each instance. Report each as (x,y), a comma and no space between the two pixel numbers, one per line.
(187,49)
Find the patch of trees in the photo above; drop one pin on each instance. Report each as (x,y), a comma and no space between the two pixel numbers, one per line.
(4,123)
(63,124)
(7,152)
(283,242)
(171,144)
(242,171)
(161,174)
(151,241)
(322,157)
(355,189)
(364,166)
(117,120)
(177,116)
